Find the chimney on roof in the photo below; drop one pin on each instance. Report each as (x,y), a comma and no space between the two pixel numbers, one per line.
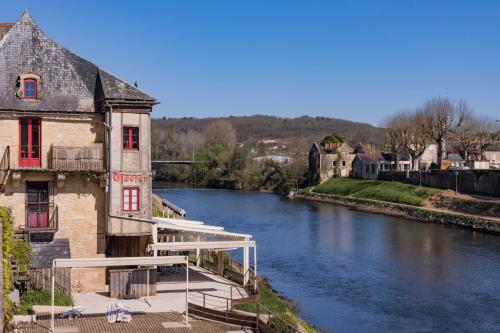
(4,28)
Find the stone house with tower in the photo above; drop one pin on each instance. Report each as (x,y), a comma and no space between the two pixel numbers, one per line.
(75,164)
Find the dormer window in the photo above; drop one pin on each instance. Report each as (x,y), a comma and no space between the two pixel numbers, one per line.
(30,88)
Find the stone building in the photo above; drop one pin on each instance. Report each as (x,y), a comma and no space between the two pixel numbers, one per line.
(331,158)
(74,153)
(367,166)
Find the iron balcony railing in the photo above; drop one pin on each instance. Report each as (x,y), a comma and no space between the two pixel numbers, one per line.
(4,165)
(56,158)
(41,217)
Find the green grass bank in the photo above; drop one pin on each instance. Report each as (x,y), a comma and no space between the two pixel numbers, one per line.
(394,192)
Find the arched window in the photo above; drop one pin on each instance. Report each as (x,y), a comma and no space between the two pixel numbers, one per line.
(30,88)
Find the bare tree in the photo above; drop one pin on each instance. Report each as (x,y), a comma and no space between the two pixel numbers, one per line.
(488,133)
(464,132)
(221,132)
(416,138)
(396,127)
(439,116)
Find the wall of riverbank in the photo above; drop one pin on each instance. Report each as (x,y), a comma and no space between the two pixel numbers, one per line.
(466,181)
(412,212)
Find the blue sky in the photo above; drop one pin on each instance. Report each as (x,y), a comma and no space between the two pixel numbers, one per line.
(356,60)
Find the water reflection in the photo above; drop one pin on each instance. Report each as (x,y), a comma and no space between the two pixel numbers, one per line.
(357,272)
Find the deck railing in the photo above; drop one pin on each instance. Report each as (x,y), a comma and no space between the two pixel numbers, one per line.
(41,218)
(78,158)
(4,165)
(56,158)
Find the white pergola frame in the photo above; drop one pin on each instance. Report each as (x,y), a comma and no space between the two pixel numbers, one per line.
(119,261)
(234,241)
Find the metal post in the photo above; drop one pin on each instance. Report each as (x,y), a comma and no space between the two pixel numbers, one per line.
(147,283)
(187,290)
(155,238)
(255,267)
(52,298)
(245,265)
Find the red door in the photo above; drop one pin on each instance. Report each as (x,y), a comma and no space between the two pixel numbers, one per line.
(29,142)
(37,204)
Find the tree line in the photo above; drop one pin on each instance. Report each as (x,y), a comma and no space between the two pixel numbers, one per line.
(221,160)
(439,121)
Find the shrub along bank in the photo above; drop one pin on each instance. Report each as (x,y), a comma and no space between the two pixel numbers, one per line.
(271,301)
(377,190)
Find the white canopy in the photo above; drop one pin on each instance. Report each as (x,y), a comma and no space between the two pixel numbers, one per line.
(216,238)
(122,261)
(218,245)
(194,226)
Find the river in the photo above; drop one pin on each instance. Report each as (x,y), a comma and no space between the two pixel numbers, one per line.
(352,271)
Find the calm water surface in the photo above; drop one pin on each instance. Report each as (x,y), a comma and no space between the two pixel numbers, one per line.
(357,272)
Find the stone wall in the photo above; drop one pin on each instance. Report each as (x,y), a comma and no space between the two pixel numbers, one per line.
(81,221)
(467,181)
(416,213)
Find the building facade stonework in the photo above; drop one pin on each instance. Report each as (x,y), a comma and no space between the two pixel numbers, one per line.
(75,147)
(329,160)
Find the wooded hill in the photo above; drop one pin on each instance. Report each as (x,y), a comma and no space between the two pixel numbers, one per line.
(250,129)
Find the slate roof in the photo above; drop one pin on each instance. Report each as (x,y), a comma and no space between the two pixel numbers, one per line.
(494,147)
(69,83)
(369,157)
(454,157)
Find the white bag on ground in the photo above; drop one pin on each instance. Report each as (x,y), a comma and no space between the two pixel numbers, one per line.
(118,312)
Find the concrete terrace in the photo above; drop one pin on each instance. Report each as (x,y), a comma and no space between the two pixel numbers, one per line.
(160,313)
(171,294)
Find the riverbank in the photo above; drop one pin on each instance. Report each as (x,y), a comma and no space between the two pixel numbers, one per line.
(478,223)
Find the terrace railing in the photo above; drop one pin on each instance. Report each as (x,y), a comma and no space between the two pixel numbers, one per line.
(41,218)
(55,158)
(4,166)
(77,158)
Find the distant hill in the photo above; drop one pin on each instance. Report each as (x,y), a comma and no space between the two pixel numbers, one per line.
(250,129)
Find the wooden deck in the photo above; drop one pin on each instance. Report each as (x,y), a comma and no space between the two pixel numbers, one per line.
(168,322)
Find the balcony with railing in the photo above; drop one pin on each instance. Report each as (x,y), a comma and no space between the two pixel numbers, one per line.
(53,158)
(41,217)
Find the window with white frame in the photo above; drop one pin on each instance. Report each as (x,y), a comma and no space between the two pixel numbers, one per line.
(131,201)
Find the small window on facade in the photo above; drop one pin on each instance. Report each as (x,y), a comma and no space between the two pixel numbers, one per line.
(131,199)
(373,168)
(343,163)
(130,138)
(29,89)
(367,168)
